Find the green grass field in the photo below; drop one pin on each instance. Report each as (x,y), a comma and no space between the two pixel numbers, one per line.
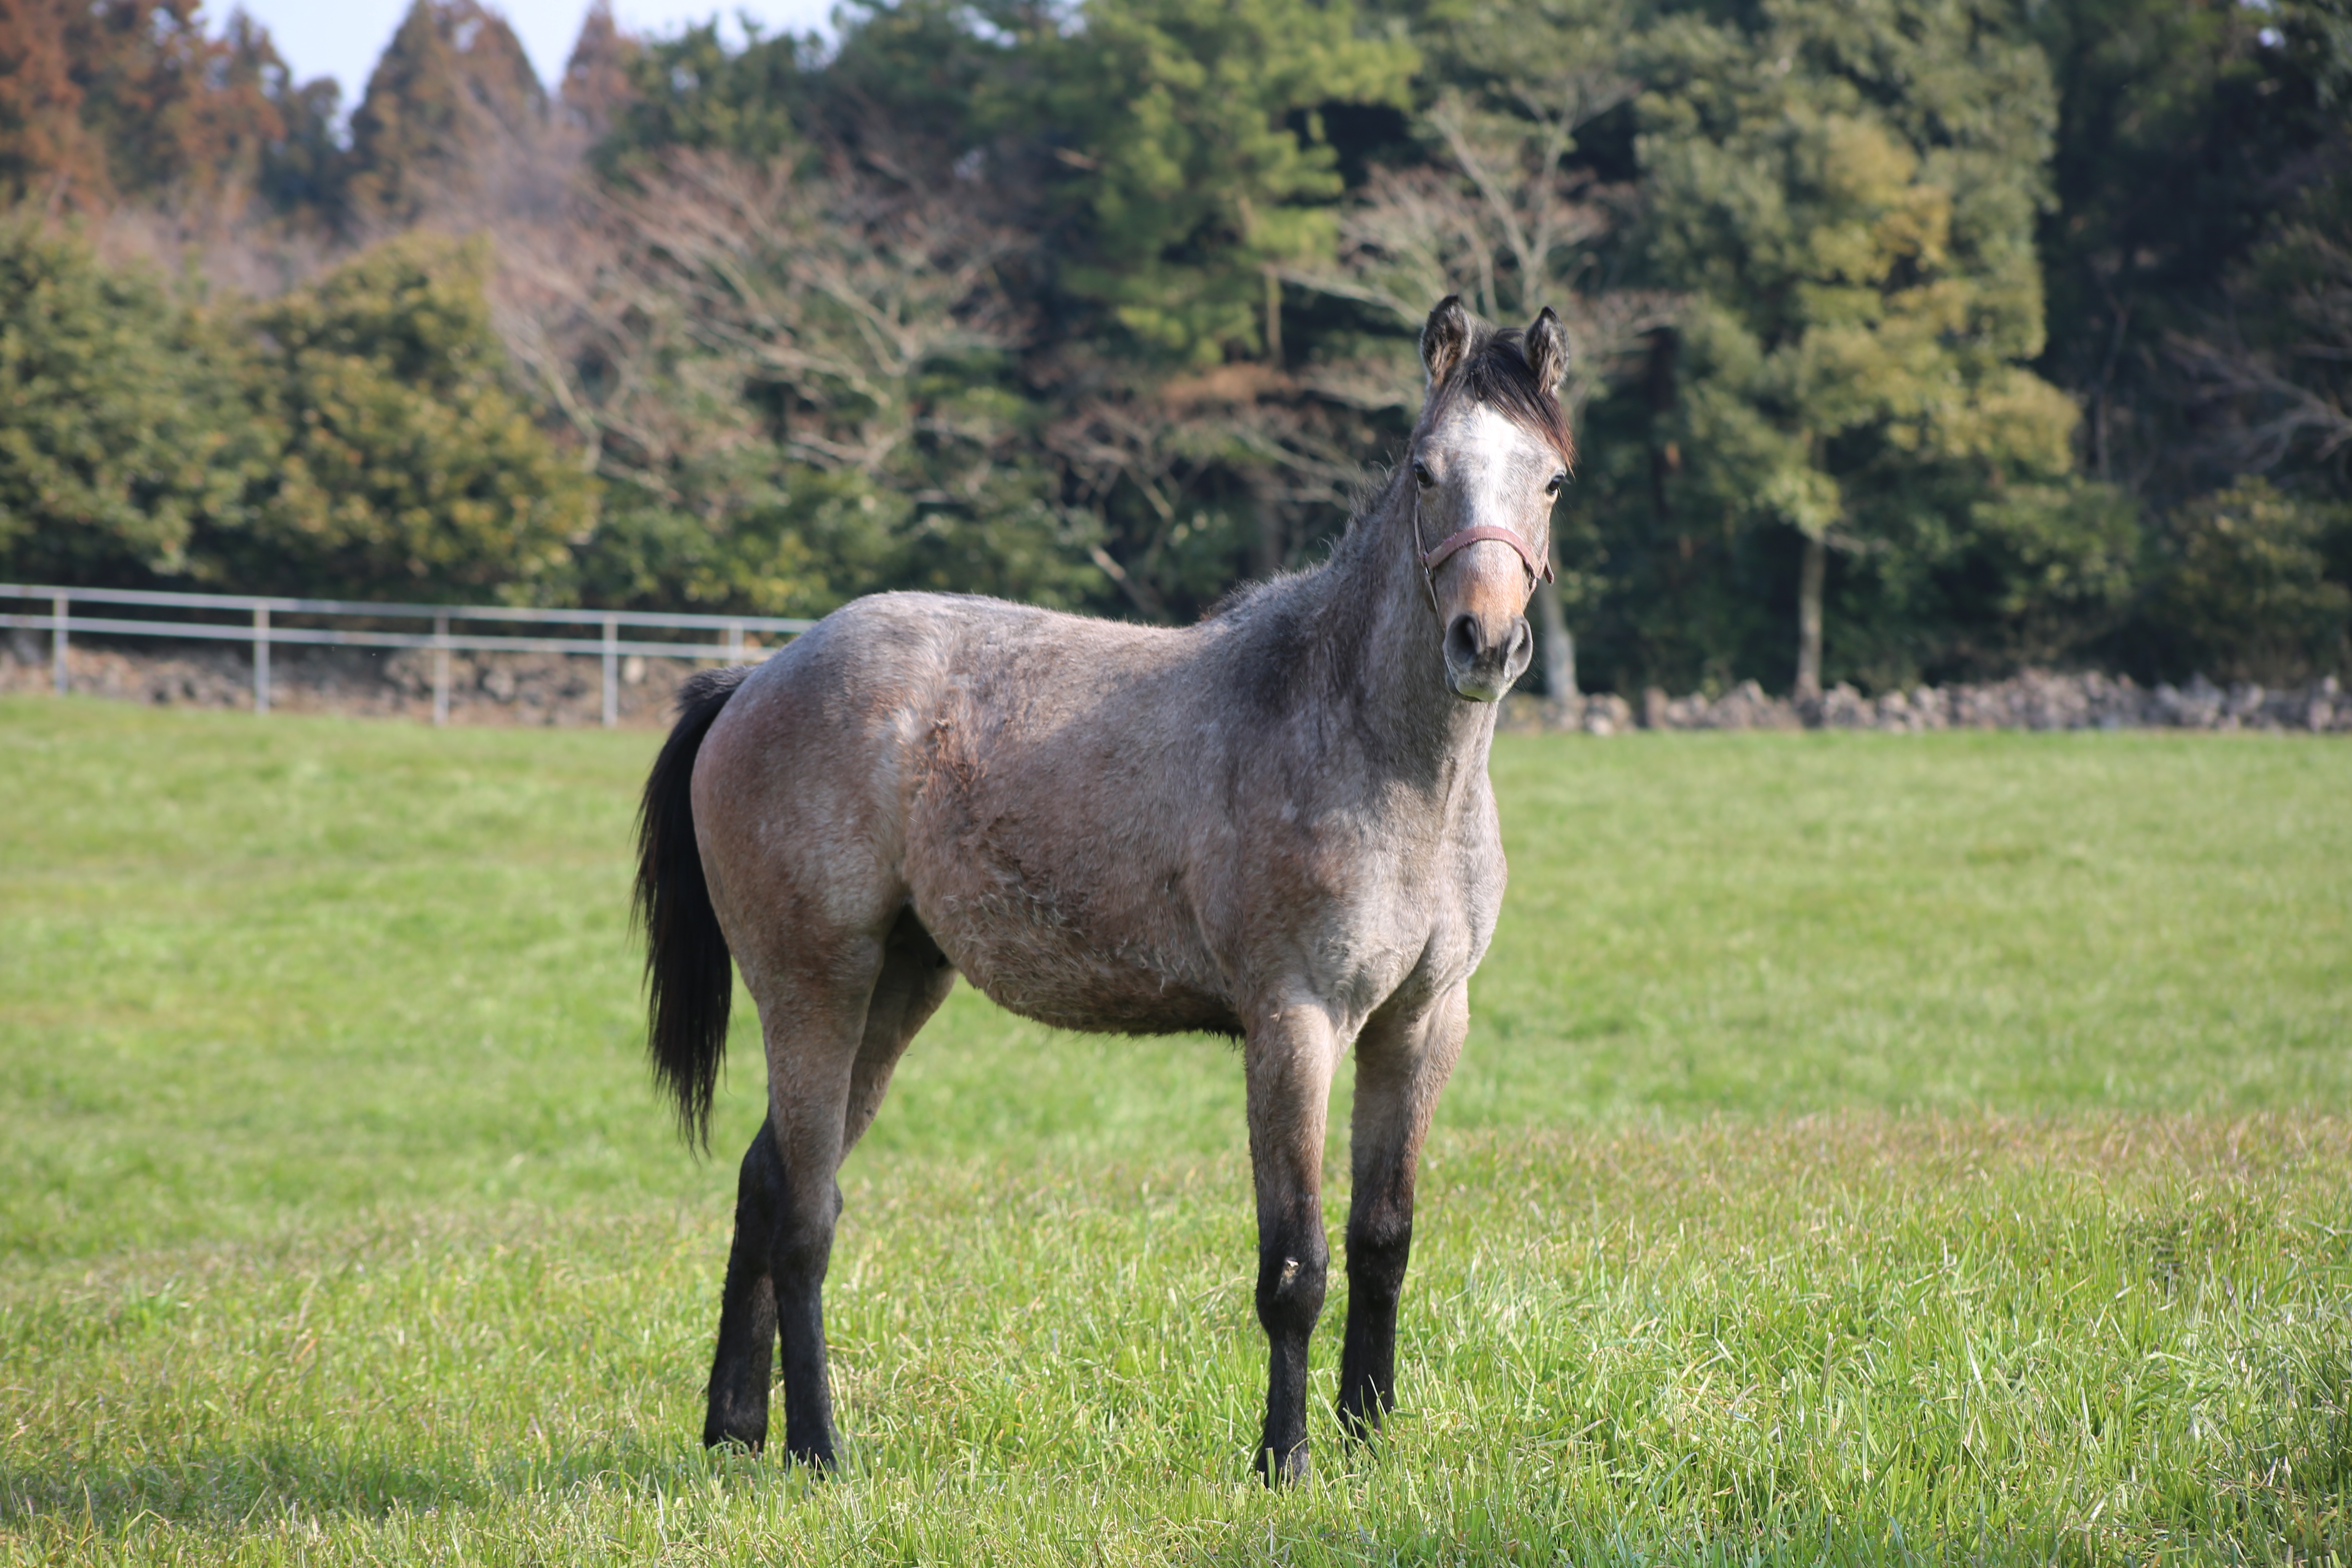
(1869,1149)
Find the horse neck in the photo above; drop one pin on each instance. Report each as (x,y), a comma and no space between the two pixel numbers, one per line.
(1384,635)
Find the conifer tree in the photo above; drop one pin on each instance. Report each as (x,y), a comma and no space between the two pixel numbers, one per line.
(1193,144)
(450,105)
(597,80)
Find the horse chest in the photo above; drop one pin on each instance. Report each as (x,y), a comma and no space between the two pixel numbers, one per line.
(1413,916)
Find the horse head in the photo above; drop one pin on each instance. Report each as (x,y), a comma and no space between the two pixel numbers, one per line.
(1490,454)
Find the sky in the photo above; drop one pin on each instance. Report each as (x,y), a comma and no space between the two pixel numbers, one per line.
(342,38)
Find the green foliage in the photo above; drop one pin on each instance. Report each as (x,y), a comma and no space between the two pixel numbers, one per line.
(691,91)
(122,428)
(2181,133)
(1847,196)
(409,468)
(1200,158)
(2244,592)
(1105,304)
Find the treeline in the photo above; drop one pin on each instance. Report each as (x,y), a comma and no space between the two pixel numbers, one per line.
(1914,338)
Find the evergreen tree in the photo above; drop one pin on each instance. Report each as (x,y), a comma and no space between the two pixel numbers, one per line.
(410,469)
(450,107)
(1847,196)
(1197,157)
(124,436)
(46,152)
(2182,131)
(135,100)
(597,80)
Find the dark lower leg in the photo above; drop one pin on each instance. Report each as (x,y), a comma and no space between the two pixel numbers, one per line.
(740,1372)
(803,1246)
(1379,1241)
(1292,1265)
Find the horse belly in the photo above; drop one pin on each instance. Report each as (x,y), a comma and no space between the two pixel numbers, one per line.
(1071,960)
(1031,957)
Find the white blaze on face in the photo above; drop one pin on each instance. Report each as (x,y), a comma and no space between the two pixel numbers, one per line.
(1492,459)
(1494,472)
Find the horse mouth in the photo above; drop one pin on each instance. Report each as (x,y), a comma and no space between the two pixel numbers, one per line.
(1477,686)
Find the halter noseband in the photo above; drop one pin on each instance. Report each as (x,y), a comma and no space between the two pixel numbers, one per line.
(1431,560)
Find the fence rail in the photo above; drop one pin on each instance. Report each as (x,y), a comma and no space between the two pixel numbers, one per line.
(263,632)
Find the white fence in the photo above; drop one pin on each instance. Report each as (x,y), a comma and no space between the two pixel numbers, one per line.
(261,629)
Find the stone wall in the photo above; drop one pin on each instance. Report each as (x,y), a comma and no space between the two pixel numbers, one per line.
(2033,701)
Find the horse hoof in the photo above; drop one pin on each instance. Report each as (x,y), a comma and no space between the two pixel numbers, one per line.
(751,1442)
(816,1456)
(1284,1470)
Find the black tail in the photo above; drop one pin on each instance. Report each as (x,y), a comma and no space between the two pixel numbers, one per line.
(689,980)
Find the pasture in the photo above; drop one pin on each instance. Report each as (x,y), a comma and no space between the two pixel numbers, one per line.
(1869,1149)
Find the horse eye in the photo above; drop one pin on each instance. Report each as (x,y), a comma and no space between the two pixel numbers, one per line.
(1556,480)
(1421,476)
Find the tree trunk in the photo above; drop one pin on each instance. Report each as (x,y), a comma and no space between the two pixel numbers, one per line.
(1809,618)
(1266,552)
(1559,647)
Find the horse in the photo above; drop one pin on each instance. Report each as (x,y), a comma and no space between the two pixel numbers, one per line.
(1274,824)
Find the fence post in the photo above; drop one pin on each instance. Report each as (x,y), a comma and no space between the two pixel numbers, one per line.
(734,642)
(261,658)
(440,670)
(57,642)
(611,671)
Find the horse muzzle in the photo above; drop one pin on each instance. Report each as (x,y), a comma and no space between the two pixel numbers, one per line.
(1484,655)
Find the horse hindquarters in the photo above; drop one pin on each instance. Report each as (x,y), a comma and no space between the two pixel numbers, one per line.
(743,852)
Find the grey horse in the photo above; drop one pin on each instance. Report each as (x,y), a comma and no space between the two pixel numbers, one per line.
(1275,824)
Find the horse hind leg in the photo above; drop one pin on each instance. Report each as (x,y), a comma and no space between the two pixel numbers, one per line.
(789,1201)
(744,1365)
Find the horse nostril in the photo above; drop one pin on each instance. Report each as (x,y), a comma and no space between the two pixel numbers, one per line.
(1523,641)
(1462,643)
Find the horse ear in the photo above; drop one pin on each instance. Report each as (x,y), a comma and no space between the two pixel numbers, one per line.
(1547,345)
(1445,337)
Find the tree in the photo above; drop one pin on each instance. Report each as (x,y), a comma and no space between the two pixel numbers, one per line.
(452,122)
(123,432)
(1196,157)
(410,466)
(45,149)
(2184,125)
(797,387)
(597,78)
(135,100)
(1503,216)
(2244,591)
(1848,198)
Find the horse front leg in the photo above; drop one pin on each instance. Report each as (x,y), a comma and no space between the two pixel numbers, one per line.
(1291,1053)
(1402,1063)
